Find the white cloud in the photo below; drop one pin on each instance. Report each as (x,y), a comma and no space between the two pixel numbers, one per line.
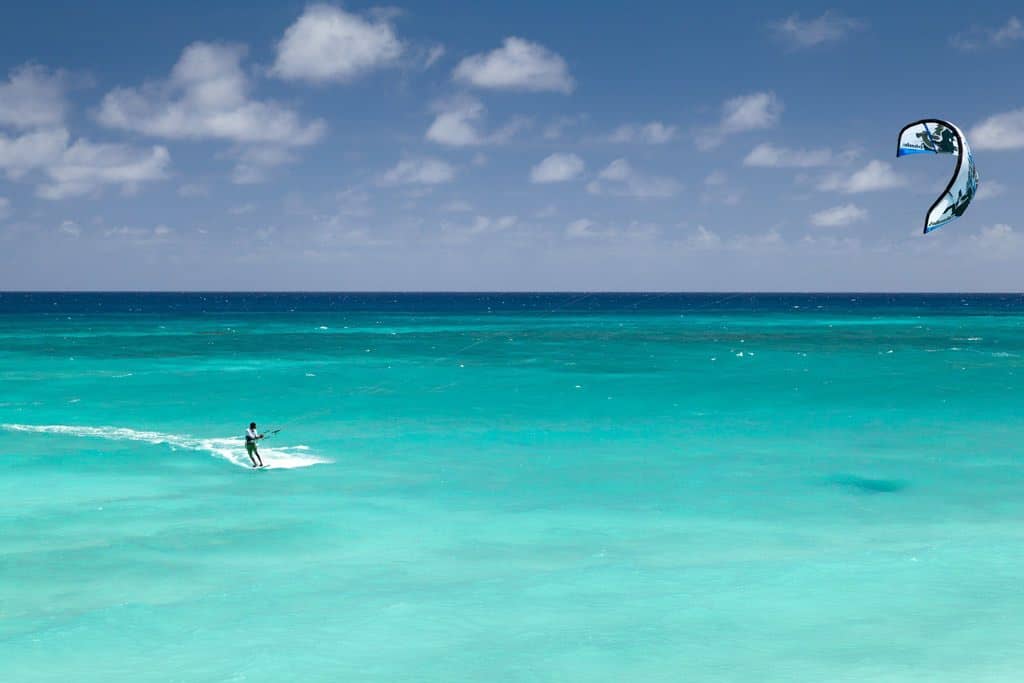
(193,190)
(717,190)
(418,172)
(328,44)
(81,167)
(769,156)
(458,124)
(1000,240)
(619,178)
(242,209)
(517,65)
(586,229)
(976,38)
(999,132)
(33,150)
(556,128)
(256,161)
(757,111)
(716,178)
(71,229)
(838,216)
(139,236)
(990,189)
(582,228)
(557,168)
(85,166)
(705,239)
(877,175)
(457,206)
(653,133)
(434,54)
(829,27)
(481,225)
(32,97)
(206,97)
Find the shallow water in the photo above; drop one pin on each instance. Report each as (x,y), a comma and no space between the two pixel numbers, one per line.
(512,487)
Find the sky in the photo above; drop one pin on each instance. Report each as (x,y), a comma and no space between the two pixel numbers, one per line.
(486,146)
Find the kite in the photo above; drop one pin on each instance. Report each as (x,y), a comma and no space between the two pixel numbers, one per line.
(934,136)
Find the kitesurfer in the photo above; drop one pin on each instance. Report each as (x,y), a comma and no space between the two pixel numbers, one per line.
(251,437)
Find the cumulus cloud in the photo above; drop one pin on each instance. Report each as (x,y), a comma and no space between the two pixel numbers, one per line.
(980,37)
(327,44)
(418,172)
(459,124)
(999,132)
(32,97)
(653,133)
(517,65)
(797,33)
(81,167)
(206,97)
(619,178)
(877,175)
(769,156)
(33,150)
(85,166)
(557,168)
(838,216)
(756,111)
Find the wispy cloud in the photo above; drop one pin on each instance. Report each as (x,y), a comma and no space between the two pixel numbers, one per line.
(653,133)
(876,175)
(620,179)
(830,27)
(418,172)
(978,37)
(770,156)
(838,216)
(756,111)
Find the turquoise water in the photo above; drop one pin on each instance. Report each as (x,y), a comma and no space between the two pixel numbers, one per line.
(512,487)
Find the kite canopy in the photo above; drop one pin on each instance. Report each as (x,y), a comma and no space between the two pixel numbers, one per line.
(935,136)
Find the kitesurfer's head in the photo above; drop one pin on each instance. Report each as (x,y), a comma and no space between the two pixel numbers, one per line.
(252,425)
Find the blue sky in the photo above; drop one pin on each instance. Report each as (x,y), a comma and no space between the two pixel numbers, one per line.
(503,146)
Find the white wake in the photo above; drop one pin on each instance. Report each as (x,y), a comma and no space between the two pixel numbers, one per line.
(231,449)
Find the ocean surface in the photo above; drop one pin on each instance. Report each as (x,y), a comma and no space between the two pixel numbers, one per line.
(512,487)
